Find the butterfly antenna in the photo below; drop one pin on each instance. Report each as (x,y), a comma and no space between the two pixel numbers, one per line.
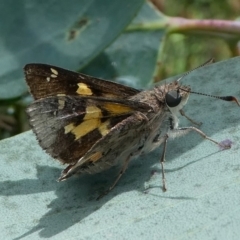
(211,60)
(224,98)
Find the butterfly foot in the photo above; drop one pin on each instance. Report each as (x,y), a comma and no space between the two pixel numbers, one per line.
(225,144)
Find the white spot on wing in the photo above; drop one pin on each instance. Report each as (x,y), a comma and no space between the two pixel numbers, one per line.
(54,71)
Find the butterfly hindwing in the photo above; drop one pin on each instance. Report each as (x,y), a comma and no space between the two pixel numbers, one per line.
(68,126)
(45,80)
(123,140)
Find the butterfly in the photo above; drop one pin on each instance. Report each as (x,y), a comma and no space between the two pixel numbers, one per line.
(92,124)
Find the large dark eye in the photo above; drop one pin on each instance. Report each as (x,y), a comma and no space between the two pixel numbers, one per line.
(173,98)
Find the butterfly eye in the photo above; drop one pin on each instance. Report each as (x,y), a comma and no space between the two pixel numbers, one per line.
(173,98)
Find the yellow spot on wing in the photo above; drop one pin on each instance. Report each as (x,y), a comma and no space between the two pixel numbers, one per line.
(69,128)
(83,89)
(61,104)
(91,121)
(92,112)
(116,109)
(61,101)
(85,127)
(95,157)
(103,128)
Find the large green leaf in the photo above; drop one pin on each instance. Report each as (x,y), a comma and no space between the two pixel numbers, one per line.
(132,58)
(202,201)
(63,33)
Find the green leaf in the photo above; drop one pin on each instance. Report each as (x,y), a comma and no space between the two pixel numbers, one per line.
(132,58)
(202,201)
(64,33)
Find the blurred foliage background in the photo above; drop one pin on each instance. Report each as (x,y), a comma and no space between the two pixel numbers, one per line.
(133,42)
(183,52)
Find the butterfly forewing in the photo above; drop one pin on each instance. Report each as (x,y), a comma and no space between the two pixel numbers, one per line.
(45,80)
(68,126)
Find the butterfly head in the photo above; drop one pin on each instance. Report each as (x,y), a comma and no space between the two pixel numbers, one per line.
(176,96)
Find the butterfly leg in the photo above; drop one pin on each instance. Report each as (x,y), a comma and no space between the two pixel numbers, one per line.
(184,130)
(162,162)
(180,132)
(189,119)
(118,177)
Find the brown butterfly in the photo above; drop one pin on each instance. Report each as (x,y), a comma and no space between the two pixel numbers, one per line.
(93,124)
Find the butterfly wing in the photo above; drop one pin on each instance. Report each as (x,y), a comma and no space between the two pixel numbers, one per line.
(124,140)
(68,126)
(73,111)
(45,80)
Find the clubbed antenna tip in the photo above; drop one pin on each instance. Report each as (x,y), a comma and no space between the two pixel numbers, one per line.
(230,99)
